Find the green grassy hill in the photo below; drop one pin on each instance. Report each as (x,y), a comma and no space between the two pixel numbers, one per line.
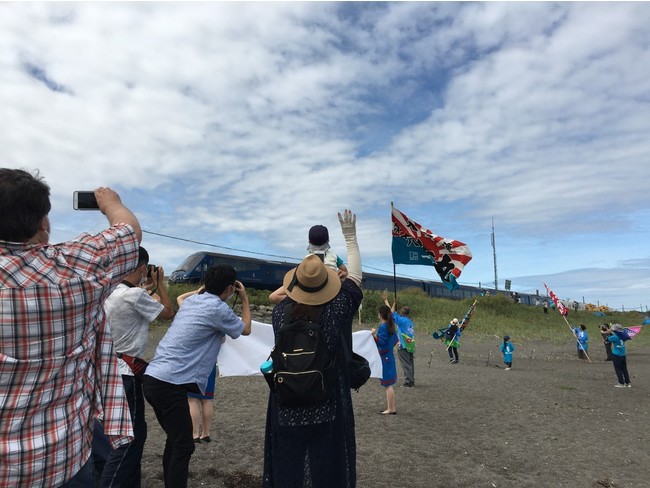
(494,315)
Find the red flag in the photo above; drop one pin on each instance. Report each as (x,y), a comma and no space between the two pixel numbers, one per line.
(560,306)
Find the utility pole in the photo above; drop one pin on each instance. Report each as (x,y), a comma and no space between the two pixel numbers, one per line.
(494,252)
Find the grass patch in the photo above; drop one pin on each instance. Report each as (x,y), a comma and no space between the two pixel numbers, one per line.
(494,316)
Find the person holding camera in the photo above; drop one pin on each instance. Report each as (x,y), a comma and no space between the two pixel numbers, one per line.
(184,359)
(608,345)
(129,310)
(58,371)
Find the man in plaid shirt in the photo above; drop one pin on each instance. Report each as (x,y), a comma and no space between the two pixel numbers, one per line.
(58,370)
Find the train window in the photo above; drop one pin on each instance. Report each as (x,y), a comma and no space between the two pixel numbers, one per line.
(189,263)
(246,266)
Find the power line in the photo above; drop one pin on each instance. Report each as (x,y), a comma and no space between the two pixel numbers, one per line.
(216,246)
(260,253)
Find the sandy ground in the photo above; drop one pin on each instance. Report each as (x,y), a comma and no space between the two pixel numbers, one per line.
(551,421)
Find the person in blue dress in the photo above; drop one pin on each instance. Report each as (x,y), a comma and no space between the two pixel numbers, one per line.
(507,348)
(386,338)
(617,338)
(582,340)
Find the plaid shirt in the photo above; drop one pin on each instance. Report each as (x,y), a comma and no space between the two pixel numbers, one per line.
(58,370)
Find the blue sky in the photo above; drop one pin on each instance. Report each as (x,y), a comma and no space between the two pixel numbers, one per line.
(243,124)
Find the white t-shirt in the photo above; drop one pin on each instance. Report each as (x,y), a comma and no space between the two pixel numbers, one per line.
(129,311)
(330,259)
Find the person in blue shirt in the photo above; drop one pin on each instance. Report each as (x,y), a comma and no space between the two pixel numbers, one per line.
(616,338)
(406,348)
(582,340)
(184,359)
(507,348)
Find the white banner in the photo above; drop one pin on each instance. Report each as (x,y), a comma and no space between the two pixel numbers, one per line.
(244,355)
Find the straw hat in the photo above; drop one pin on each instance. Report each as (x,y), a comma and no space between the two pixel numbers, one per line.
(311,283)
(617,327)
(454,321)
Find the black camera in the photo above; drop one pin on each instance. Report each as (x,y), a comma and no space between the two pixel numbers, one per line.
(84,200)
(151,269)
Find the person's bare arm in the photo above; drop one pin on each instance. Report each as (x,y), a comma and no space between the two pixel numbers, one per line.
(277,296)
(245,308)
(181,298)
(384,297)
(111,205)
(158,276)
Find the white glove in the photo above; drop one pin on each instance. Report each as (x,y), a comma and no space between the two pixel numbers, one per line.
(348,223)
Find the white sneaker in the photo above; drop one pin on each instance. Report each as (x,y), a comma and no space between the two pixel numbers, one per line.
(629,385)
(507,369)
(619,385)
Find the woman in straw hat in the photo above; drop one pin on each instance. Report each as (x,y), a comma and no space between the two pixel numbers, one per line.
(315,446)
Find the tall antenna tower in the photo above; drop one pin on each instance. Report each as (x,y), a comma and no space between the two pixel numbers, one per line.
(494,253)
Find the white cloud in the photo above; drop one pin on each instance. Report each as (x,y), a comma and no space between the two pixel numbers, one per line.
(249,121)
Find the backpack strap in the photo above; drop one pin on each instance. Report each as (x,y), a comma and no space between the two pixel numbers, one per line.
(286,315)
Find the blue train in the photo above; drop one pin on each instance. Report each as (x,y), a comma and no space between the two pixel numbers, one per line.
(267,275)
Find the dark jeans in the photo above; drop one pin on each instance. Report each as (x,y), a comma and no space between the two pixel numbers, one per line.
(620,367)
(453,353)
(123,465)
(406,360)
(172,410)
(100,451)
(83,478)
(608,351)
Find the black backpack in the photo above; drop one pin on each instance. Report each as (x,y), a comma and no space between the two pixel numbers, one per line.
(304,371)
(450,333)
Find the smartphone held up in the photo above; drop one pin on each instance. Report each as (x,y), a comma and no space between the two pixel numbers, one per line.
(84,200)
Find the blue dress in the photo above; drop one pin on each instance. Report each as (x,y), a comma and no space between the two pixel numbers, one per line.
(385,344)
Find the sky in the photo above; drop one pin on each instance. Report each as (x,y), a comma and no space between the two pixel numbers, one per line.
(240,125)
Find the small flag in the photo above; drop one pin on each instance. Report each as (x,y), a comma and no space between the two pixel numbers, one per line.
(632,331)
(414,245)
(560,306)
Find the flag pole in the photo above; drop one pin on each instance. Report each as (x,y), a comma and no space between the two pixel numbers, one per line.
(576,336)
(462,325)
(394,267)
(557,302)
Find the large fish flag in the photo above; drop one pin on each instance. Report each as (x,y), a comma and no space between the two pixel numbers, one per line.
(468,316)
(414,245)
(560,306)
